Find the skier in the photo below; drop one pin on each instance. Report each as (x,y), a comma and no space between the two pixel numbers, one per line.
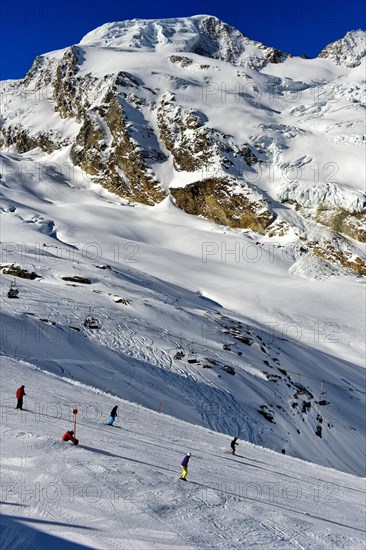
(19,395)
(184,466)
(113,415)
(69,436)
(233,445)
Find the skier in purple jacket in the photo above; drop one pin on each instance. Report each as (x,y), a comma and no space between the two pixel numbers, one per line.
(184,466)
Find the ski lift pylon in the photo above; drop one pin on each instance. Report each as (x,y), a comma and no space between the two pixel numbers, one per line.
(13,291)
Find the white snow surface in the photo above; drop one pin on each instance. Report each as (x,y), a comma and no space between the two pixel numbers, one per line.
(226,301)
(272,337)
(119,487)
(206,33)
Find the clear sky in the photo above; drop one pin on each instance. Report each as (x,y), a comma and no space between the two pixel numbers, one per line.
(32,27)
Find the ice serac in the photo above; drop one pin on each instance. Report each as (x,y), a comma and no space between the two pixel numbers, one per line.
(348,51)
(226,127)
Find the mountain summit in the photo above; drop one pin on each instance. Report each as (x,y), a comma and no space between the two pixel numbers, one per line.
(201,34)
(348,51)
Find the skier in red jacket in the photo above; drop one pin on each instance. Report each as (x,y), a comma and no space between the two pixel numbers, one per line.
(69,436)
(19,395)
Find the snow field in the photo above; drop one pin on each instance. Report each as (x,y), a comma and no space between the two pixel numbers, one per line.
(119,487)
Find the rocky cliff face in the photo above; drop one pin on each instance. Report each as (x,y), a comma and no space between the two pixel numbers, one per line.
(105,149)
(348,51)
(192,109)
(220,200)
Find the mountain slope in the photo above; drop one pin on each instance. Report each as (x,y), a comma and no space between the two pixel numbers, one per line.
(119,487)
(259,359)
(109,146)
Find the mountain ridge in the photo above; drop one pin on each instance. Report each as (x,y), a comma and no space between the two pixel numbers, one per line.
(218,123)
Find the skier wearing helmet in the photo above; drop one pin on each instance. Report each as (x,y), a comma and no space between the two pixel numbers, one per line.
(184,466)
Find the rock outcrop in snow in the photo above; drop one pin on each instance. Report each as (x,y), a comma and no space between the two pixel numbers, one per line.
(348,51)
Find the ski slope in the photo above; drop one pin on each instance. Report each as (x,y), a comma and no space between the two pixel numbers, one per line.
(226,297)
(119,489)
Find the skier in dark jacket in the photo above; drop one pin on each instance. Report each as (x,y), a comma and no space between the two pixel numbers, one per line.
(69,436)
(19,395)
(233,445)
(184,466)
(113,415)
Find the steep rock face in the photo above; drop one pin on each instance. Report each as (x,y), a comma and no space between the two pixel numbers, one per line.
(219,200)
(220,41)
(348,51)
(36,88)
(333,255)
(183,133)
(194,145)
(39,75)
(115,159)
(67,88)
(352,224)
(24,141)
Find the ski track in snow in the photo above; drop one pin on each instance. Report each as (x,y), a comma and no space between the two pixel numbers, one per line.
(122,487)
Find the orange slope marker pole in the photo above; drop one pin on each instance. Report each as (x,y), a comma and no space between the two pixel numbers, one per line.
(75,411)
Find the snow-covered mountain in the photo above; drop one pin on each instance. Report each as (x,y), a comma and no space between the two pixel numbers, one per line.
(226,127)
(348,51)
(202,193)
(203,35)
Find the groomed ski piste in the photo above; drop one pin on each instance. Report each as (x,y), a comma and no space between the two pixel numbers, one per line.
(119,488)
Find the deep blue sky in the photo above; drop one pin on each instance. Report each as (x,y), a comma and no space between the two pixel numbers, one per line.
(32,27)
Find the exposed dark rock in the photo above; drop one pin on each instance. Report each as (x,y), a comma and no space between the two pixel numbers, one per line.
(214,199)
(67,92)
(120,167)
(77,279)
(351,224)
(229,369)
(266,413)
(318,431)
(17,271)
(182,60)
